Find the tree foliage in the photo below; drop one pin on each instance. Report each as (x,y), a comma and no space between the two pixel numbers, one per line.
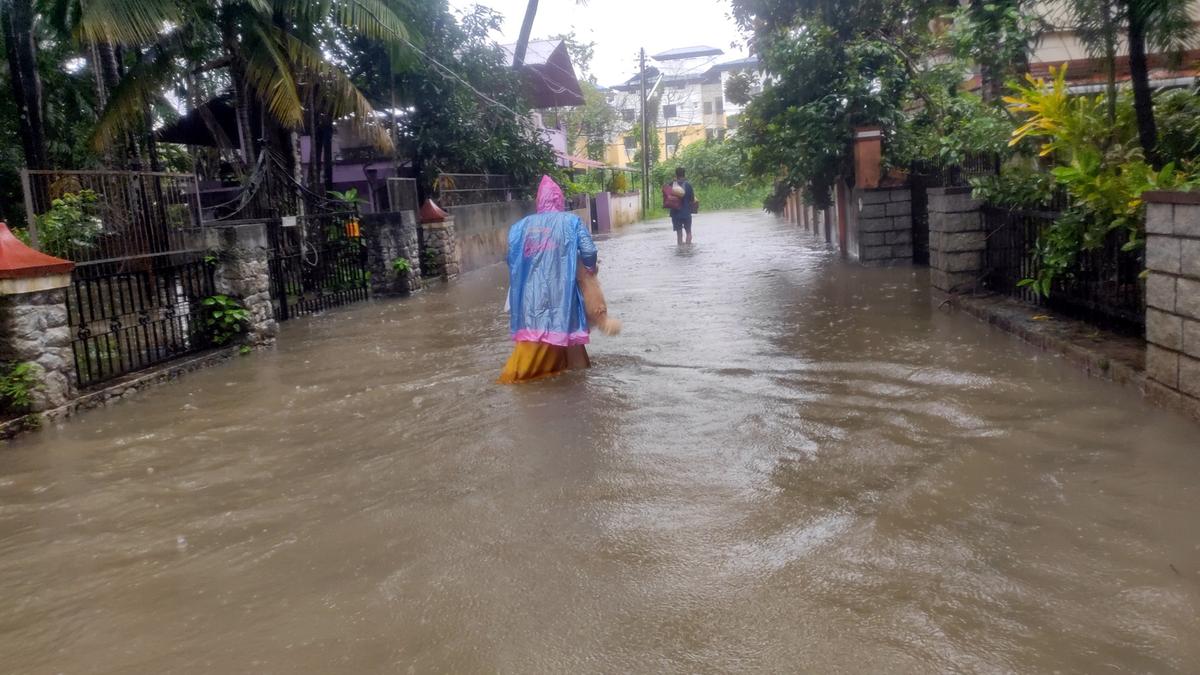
(389,71)
(830,67)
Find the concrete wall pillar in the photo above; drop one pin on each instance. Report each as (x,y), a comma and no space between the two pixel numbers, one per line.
(243,272)
(390,237)
(34,328)
(957,239)
(880,226)
(868,157)
(1173,300)
(439,254)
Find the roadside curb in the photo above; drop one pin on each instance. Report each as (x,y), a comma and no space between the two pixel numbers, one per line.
(119,390)
(1099,353)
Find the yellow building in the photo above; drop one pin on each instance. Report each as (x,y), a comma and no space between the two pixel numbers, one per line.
(689,85)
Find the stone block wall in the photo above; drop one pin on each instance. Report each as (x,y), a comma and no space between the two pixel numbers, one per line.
(392,236)
(243,272)
(881,226)
(34,329)
(957,239)
(1173,300)
(439,249)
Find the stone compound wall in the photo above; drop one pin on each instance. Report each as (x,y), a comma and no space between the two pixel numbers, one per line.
(957,239)
(1173,301)
(439,250)
(34,329)
(392,236)
(243,272)
(880,226)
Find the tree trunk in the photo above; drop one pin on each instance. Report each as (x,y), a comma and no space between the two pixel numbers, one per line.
(21,52)
(526,30)
(327,152)
(1143,97)
(241,94)
(1110,57)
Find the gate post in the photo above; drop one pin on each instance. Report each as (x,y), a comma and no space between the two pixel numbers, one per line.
(440,246)
(957,239)
(1173,300)
(390,237)
(34,326)
(243,272)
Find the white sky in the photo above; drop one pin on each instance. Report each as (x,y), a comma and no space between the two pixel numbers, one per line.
(621,27)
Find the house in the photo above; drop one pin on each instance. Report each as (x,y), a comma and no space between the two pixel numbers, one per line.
(1061,44)
(551,83)
(689,84)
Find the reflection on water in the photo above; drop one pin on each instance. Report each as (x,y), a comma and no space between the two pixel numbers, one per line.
(785,463)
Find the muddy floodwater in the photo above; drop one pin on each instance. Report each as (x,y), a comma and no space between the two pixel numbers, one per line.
(786,464)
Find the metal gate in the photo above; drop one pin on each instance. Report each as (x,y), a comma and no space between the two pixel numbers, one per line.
(317,262)
(140,312)
(142,272)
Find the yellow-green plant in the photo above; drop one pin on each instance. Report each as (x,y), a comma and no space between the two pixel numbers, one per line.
(1098,163)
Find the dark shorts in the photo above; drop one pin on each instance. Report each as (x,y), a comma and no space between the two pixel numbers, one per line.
(682,222)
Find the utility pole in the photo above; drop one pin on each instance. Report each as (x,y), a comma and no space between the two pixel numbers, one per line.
(645,141)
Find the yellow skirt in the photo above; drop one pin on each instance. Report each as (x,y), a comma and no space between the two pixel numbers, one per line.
(535,360)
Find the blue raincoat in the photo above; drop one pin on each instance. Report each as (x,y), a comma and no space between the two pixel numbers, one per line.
(543,252)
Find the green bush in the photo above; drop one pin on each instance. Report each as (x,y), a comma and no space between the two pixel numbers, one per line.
(17,384)
(1017,187)
(223,318)
(70,225)
(1177,113)
(1098,164)
(710,162)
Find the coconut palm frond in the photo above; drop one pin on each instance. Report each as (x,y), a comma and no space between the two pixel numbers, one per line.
(270,75)
(140,89)
(338,96)
(375,19)
(1169,25)
(128,21)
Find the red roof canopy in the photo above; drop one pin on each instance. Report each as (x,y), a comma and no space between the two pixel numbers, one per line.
(18,261)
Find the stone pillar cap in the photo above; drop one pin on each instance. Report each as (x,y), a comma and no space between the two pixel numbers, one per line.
(432,213)
(18,261)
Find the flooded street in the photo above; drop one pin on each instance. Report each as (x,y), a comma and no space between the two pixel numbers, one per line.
(786,463)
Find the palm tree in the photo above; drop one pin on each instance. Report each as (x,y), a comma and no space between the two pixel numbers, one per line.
(20,48)
(1150,26)
(271,51)
(527,31)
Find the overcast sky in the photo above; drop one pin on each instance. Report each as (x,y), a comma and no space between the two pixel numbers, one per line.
(621,27)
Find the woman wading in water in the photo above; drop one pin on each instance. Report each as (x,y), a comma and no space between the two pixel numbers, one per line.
(552,266)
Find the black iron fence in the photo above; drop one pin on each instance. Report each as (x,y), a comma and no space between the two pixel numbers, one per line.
(1104,286)
(317,262)
(129,315)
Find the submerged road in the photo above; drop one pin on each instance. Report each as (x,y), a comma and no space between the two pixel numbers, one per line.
(787,463)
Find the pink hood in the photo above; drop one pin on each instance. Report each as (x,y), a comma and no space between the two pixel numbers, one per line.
(550,197)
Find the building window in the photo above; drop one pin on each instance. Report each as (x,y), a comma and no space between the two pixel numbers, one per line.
(719,105)
(629,114)
(672,138)
(631,143)
(708,107)
(670,111)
